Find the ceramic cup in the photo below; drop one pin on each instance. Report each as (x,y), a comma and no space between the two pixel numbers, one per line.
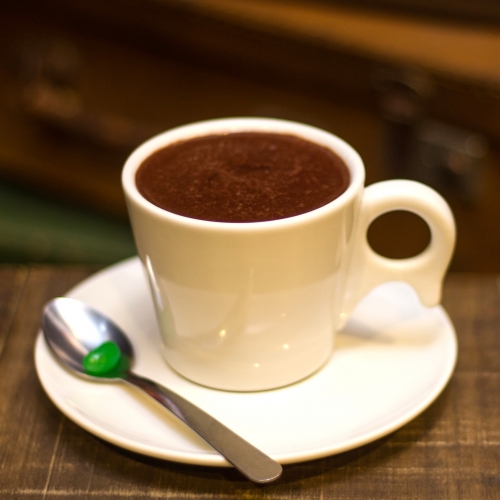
(255,306)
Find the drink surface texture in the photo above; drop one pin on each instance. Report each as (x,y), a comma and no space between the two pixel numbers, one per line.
(242,177)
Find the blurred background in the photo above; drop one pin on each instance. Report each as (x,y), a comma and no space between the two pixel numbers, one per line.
(413,85)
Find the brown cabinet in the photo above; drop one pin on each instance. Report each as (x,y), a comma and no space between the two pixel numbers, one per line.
(83,83)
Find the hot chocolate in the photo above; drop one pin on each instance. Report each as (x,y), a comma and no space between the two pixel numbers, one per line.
(242,177)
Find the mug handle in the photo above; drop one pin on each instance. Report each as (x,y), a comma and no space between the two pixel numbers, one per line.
(425,271)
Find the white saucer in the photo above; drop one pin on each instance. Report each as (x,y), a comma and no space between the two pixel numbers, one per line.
(391,362)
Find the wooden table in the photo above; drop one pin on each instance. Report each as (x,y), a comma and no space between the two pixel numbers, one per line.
(452,450)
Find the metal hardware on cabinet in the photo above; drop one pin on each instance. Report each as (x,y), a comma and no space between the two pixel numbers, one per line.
(49,74)
(446,157)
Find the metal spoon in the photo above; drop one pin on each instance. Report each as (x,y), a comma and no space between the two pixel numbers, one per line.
(73,329)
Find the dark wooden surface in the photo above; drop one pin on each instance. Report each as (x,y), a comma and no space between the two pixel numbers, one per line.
(452,450)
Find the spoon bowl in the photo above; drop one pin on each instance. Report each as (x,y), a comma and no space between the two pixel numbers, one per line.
(73,329)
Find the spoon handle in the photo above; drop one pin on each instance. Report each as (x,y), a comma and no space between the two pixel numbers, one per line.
(250,461)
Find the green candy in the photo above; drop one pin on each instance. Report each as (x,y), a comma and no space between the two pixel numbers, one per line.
(102,359)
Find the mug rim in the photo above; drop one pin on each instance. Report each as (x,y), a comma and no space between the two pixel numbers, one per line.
(313,134)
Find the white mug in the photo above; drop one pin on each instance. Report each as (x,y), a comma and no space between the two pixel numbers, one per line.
(255,306)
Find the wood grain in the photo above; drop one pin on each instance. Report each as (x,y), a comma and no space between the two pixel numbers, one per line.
(464,51)
(452,450)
